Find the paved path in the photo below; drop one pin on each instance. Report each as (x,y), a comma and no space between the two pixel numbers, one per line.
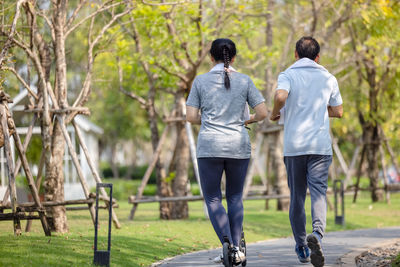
(280,252)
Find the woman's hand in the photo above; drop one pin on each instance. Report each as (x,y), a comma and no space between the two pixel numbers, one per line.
(251,120)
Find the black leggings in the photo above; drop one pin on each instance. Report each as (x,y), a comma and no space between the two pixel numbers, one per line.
(211,169)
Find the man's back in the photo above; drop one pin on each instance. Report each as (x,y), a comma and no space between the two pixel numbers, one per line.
(311,89)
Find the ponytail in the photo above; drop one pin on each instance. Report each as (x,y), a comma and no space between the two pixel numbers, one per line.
(225,52)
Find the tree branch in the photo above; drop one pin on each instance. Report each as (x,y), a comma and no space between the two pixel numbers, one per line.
(82,98)
(167,3)
(315,17)
(179,75)
(22,81)
(75,13)
(132,95)
(11,33)
(48,22)
(101,9)
(198,25)
(173,32)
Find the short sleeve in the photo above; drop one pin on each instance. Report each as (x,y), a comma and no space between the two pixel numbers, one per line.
(283,82)
(193,99)
(335,98)
(254,97)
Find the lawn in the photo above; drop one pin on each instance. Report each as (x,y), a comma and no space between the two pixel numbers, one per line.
(147,239)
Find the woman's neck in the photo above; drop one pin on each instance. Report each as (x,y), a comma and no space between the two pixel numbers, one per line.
(219,62)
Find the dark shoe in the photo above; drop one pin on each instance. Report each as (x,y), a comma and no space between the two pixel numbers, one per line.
(314,243)
(303,254)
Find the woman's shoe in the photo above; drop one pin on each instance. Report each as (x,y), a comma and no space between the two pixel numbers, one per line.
(218,259)
(239,256)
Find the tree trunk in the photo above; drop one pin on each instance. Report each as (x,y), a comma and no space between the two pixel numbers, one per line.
(163,188)
(370,129)
(113,163)
(54,183)
(180,209)
(276,152)
(371,139)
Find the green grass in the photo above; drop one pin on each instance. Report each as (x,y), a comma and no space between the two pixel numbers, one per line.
(148,239)
(396,261)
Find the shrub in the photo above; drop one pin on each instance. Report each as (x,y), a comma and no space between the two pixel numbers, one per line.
(137,173)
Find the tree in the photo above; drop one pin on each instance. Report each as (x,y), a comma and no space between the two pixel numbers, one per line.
(42,36)
(376,43)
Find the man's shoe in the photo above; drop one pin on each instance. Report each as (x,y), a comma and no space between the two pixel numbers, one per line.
(303,254)
(314,243)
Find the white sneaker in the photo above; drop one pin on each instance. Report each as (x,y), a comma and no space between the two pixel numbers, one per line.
(218,259)
(239,256)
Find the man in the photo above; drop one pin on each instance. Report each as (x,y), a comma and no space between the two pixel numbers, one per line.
(307,95)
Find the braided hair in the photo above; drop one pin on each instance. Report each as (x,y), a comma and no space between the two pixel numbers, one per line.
(224,50)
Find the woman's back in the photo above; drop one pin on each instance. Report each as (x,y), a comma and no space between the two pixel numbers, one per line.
(222,132)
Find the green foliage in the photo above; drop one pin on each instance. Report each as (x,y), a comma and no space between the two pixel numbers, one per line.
(123,189)
(137,172)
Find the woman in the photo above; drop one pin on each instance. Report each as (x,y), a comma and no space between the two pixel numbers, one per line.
(223,142)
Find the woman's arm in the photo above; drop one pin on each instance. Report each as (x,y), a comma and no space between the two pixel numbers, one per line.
(192,115)
(261,113)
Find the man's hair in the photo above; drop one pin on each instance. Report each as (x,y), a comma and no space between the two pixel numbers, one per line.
(307,47)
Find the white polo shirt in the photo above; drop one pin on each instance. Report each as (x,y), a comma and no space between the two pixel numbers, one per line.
(311,90)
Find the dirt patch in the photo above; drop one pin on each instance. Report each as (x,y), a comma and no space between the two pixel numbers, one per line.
(379,257)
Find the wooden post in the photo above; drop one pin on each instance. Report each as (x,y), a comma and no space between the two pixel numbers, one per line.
(38,185)
(31,184)
(149,170)
(27,140)
(385,176)
(359,173)
(18,164)
(261,171)
(390,150)
(193,155)
(351,168)
(75,160)
(10,167)
(338,153)
(250,170)
(94,171)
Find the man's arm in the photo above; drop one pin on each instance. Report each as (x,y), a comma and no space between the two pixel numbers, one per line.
(192,115)
(279,101)
(335,111)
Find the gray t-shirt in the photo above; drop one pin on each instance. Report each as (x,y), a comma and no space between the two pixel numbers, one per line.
(222,133)
(311,90)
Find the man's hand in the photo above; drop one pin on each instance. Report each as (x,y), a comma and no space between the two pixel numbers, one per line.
(275,117)
(279,101)
(335,111)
